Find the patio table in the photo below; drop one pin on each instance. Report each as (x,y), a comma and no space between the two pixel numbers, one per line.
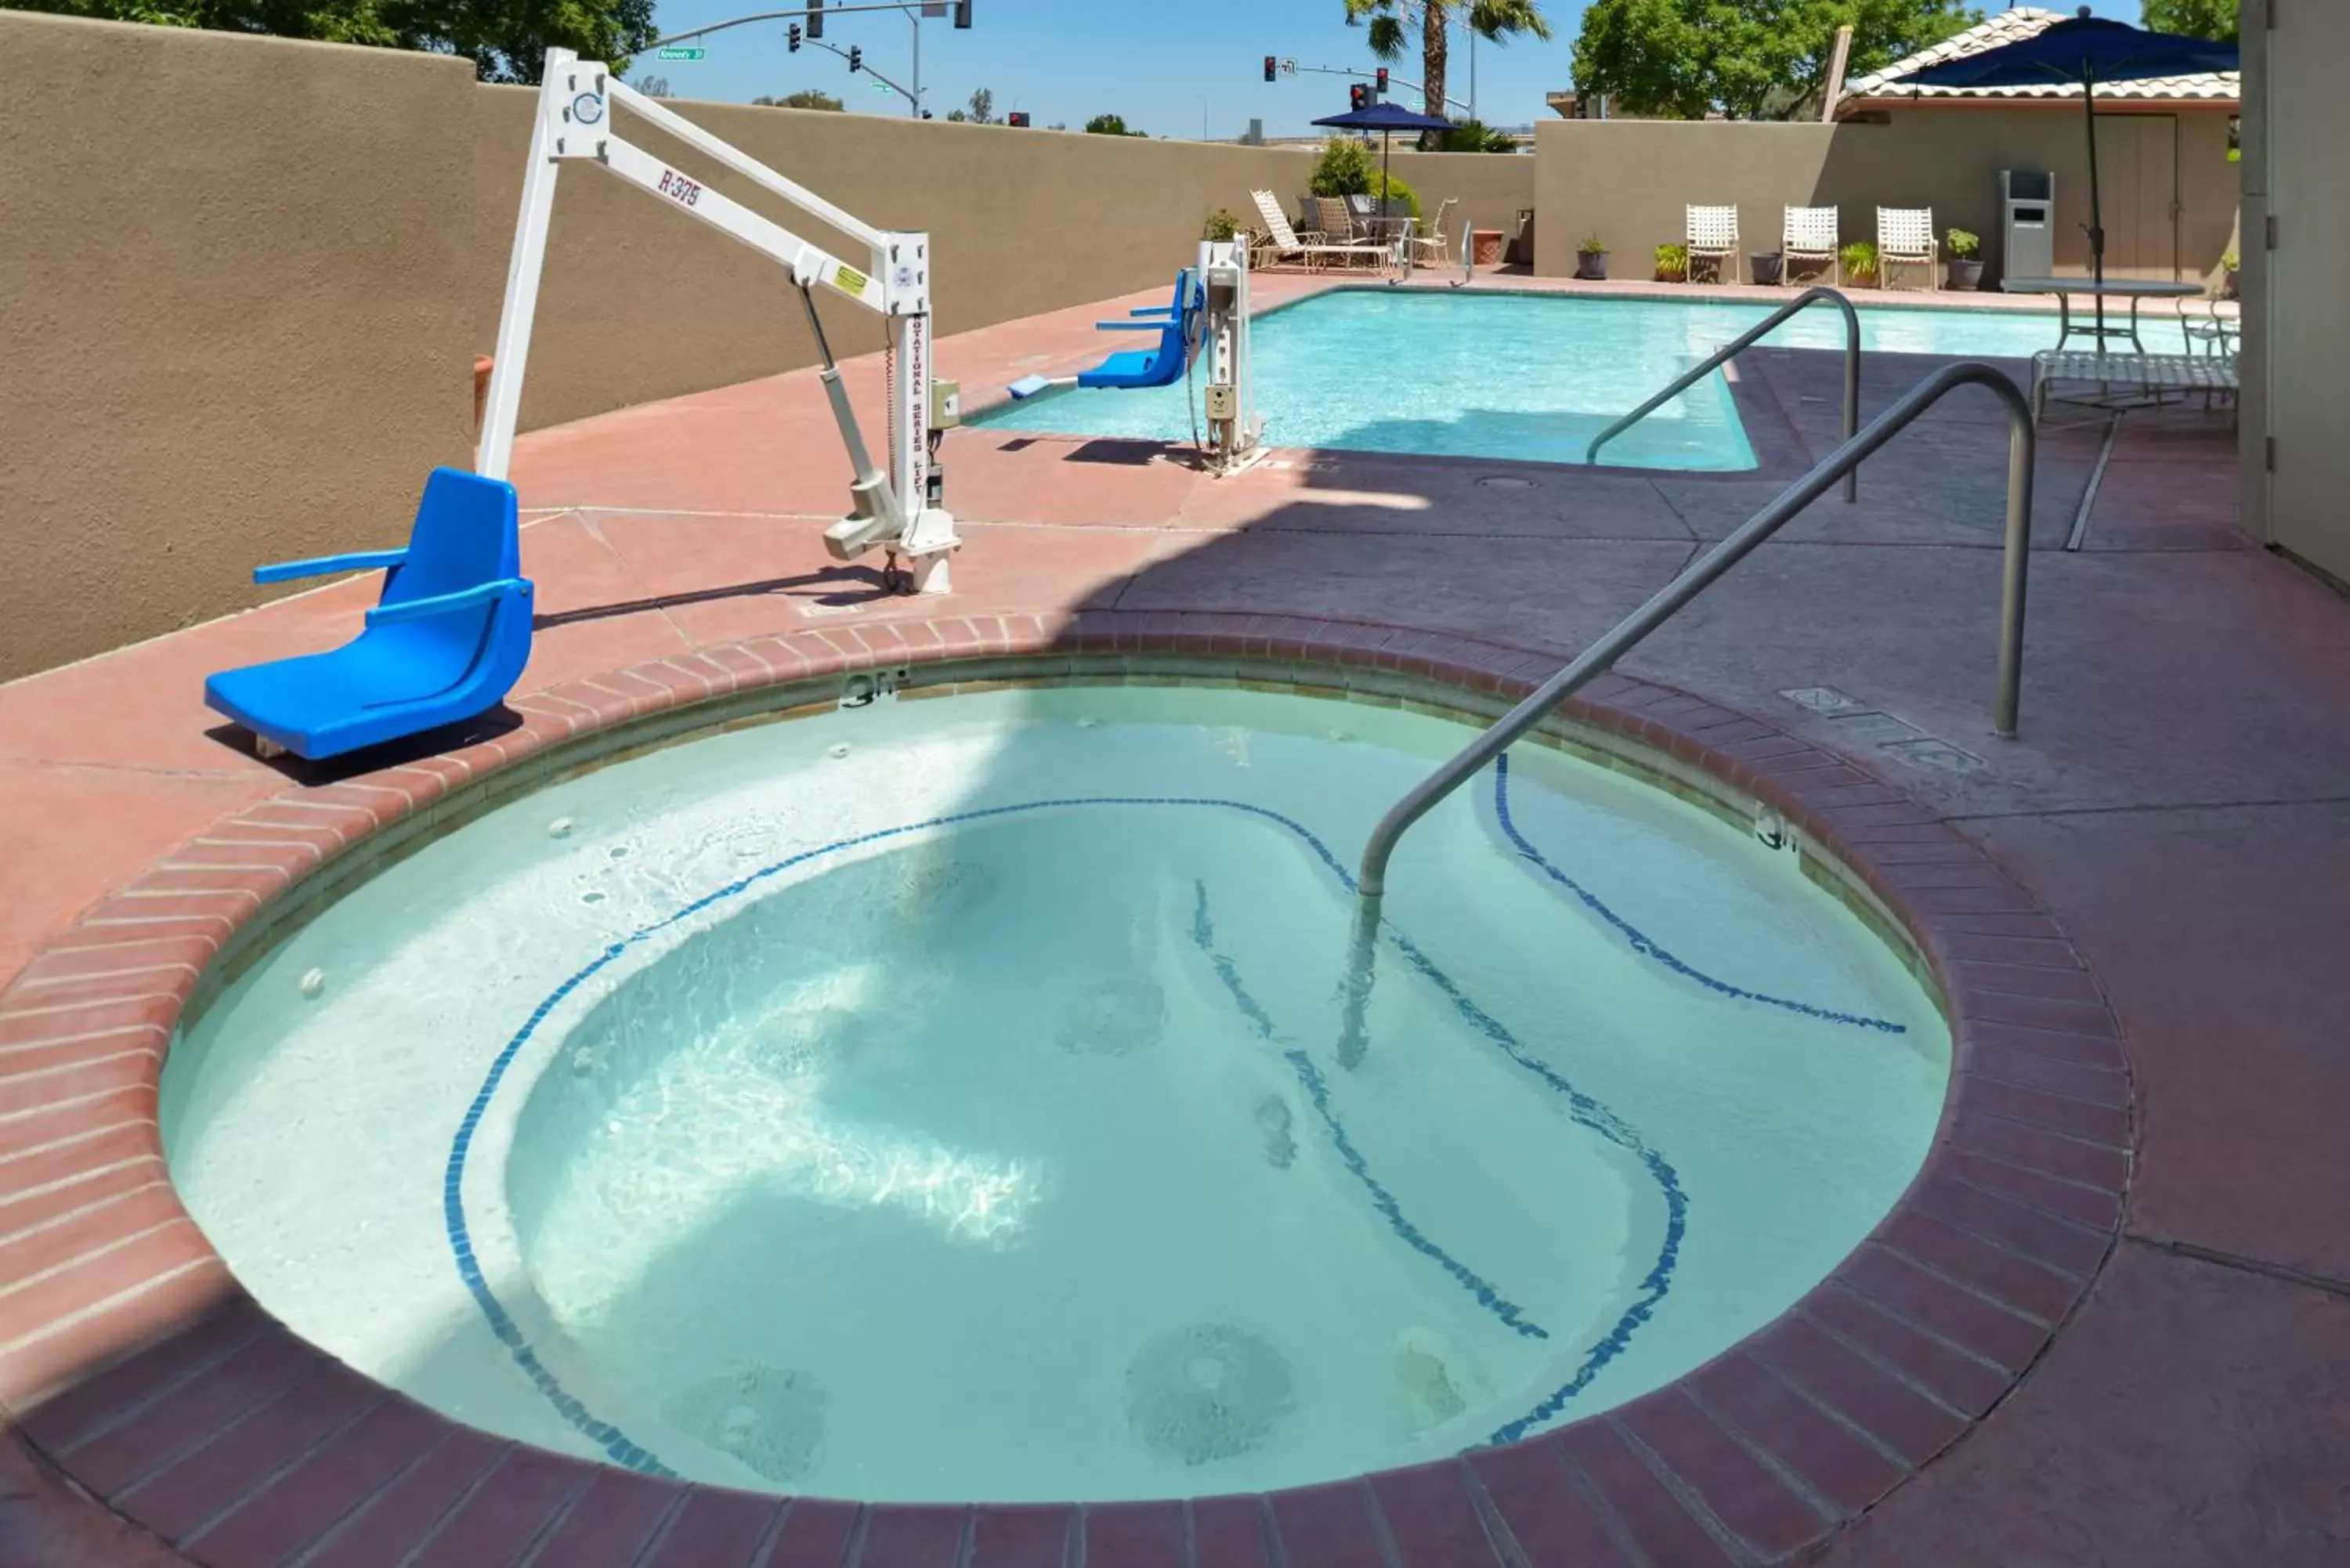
(2132,289)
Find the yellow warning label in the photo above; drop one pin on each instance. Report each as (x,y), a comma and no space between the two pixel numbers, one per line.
(850,282)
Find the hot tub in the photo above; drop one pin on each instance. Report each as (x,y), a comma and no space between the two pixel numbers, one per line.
(954,1099)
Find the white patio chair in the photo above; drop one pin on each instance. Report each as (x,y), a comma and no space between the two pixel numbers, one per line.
(1435,247)
(1283,243)
(1338,224)
(1713,236)
(1905,237)
(1812,237)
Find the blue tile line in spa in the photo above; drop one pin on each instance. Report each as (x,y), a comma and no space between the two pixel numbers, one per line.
(1317,1091)
(1583,1110)
(1647,946)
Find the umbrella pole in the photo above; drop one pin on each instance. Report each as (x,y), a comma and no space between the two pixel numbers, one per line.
(1387,140)
(2096,207)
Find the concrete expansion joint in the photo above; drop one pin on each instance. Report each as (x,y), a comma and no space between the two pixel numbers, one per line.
(2237,1261)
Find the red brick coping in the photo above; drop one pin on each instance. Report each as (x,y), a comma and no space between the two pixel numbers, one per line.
(132,1361)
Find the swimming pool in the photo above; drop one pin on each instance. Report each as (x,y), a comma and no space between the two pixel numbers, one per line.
(948,1100)
(1522,376)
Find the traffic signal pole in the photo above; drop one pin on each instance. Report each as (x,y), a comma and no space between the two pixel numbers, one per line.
(1290,68)
(813,14)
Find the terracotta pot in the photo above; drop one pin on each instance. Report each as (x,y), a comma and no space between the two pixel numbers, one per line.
(482,363)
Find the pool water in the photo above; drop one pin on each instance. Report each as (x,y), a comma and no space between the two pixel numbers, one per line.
(1529,377)
(952,1100)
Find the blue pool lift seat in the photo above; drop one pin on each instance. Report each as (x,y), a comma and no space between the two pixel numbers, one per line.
(1177,324)
(446,641)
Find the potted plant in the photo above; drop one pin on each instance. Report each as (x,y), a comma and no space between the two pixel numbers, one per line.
(1765,267)
(1860,260)
(2227,263)
(1220,226)
(1672,262)
(1591,259)
(1966,258)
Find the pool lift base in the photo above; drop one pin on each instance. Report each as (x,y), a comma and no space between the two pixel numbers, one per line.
(896,504)
(1206,326)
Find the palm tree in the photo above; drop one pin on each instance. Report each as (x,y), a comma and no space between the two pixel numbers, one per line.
(1497,21)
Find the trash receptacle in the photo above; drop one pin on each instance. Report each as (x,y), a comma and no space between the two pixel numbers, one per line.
(2027,213)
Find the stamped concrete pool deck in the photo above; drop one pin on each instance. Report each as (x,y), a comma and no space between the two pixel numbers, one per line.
(2177,803)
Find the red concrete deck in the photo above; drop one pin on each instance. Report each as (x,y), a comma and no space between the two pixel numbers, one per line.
(2109,1325)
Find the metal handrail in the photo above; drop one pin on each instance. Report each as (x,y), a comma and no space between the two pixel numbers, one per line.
(1738,346)
(1371,879)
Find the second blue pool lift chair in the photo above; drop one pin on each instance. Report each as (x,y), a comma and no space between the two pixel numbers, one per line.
(1178,326)
(446,641)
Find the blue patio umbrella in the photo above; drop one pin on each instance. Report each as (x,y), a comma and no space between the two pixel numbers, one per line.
(2088,50)
(1386,118)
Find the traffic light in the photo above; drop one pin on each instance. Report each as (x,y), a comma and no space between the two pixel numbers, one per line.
(1272,69)
(963,12)
(1382,90)
(792,38)
(1018,118)
(856,58)
(1359,96)
(815,18)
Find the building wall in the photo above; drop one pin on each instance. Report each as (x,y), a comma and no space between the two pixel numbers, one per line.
(2297,313)
(1627,180)
(231,277)
(639,303)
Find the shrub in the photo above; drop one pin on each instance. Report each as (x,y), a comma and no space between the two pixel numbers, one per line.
(1220,226)
(1475,136)
(1672,262)
(1347,168)
(1593,246)
(1860,260)
(1961,243)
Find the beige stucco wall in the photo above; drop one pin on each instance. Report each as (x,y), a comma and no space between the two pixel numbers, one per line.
(244,281)
(2297,311)
(1629,179)
(641,303)
(231,275)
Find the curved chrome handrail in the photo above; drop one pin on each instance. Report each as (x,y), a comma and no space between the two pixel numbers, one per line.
(1738,346)
(1371,879)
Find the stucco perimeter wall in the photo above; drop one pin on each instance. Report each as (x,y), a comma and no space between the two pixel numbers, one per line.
(639,303)
(1630,181)
(244,279)
(232,277)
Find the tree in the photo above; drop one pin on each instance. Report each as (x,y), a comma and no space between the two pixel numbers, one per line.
(507,39)
(1496,21)
(653,86)
(1111,125)
(806,98)
(2193,18)
(1476,136)
(1687,59)
(982,107)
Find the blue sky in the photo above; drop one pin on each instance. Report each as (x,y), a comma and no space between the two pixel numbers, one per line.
(1170,67)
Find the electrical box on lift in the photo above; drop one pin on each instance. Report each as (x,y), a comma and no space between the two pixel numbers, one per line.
(946,405)
(1223,402)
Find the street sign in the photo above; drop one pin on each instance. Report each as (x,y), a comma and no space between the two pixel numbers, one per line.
(678,54)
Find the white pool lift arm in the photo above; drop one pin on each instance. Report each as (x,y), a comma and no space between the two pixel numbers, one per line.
(897,507)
